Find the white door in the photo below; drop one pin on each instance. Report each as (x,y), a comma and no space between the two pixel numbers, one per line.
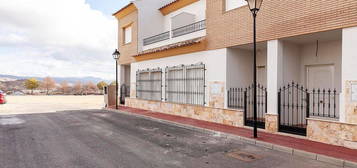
(320,82)
(262,75)
(320,77)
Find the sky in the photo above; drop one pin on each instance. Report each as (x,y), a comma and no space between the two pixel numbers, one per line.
(59,38)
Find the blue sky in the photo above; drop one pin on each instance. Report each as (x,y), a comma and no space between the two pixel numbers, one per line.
(58,38)
(108,7)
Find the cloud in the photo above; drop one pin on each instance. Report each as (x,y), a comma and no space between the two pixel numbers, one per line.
(56,38)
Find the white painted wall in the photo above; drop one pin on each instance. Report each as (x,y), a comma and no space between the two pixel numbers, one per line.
(215,61)
(287,62)
(121,74)
(232,4)
(197,9)
(150,19)
(124,74)
(127,73)
(349,64)
(329,53)
(291,63)
(296,57)
(240,66)
(182,19)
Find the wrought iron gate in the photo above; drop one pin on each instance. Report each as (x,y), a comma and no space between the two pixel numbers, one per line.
(261,106)
(124,92)
(293,109)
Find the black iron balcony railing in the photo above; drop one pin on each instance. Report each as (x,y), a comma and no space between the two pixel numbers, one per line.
(157,38)
(189,28)
(201,25)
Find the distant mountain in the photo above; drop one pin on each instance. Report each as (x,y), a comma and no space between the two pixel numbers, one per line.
(57,79)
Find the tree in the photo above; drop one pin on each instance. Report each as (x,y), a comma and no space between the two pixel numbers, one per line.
(92,87)
(32,84)
(48,84)
(78,88)
(89,88)
(64,87)
(101,86)
(113,83)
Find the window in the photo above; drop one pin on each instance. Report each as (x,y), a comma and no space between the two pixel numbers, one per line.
(127,35)
(232,4)
(185,84)
(149,84)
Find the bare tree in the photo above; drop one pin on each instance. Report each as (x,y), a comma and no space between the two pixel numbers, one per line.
(89,87)
(64,87)
(78,87)
(48,84)
(92,87)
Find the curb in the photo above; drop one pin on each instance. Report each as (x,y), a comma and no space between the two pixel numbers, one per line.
(288,150)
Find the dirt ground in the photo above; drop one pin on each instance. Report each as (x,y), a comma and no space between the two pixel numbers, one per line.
(46,104)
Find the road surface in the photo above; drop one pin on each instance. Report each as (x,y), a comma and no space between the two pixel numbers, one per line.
(102,139)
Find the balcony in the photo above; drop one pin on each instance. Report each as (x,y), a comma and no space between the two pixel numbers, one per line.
(185,33)
(157,38)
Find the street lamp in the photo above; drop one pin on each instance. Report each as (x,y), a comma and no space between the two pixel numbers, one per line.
(254,6)
(116,56)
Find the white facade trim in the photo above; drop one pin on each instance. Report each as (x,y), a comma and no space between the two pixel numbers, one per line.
(349,64)
(233,4)
(274,74)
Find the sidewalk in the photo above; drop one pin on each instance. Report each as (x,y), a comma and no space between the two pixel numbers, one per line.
(308,148)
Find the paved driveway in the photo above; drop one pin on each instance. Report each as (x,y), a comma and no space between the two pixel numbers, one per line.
(101,139)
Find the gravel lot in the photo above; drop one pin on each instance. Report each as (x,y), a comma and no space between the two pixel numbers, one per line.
(46,104)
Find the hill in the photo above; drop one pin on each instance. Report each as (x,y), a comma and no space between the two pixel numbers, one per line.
(5,78)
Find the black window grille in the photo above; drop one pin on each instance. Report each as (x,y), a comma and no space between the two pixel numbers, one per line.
(185,84)
(201,25)
(157,38)
(149,84)
(236,98)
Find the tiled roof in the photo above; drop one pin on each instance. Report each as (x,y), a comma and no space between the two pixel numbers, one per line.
(173,1)
(171,46)
(123,8)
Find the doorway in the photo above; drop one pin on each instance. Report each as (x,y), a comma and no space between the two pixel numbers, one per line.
(320,77)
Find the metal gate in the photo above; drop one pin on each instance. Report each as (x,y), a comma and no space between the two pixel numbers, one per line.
(124,92)
(261,106)
(293,109)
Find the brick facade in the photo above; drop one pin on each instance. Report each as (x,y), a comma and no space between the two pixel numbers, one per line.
(131,49)
(277,19)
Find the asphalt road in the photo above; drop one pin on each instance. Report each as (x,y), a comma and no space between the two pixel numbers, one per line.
(101,139)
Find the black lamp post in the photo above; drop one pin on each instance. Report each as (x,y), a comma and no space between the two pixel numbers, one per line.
(254,6)
(116,56)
